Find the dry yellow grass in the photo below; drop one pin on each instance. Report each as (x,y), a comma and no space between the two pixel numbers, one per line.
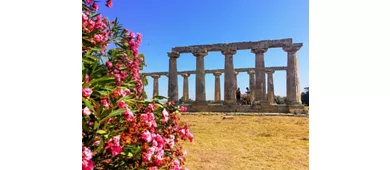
(247,142)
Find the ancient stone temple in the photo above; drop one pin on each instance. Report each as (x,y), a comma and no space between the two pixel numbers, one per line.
(263,101)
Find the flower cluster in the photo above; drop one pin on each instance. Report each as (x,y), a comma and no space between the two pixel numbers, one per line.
(120,129)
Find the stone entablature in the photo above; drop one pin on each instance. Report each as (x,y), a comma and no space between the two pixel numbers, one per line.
(236,45)
(281,68)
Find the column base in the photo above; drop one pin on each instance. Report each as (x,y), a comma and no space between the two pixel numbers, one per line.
(228,102)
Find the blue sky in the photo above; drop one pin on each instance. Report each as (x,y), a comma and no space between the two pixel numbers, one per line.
(169,23)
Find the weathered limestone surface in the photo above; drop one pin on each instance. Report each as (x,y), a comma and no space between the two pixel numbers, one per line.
(293,87)
(172,78)
(200,76)
(217,91)
(155,84)
(260,74)
(235,45)
(229,76)
(185,86)
(252,84)
(235,83)
(211,71)
(270,97)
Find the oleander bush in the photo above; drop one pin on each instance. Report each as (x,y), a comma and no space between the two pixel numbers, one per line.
(120,130)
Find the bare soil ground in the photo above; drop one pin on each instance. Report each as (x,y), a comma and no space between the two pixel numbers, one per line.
(247,142)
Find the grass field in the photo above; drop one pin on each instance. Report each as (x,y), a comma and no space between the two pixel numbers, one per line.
(247,142)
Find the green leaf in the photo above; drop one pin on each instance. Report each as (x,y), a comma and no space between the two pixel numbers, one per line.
(159,97)
(101,132)
(114,113)
(96,125)
(102,79)
(100,147)
(88,104)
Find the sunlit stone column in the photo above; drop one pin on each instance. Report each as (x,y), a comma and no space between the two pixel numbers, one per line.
(172,77)
(229,76)
(252,84)
(270,88)
(185,86)
(293,87)
(235,84)
(260,74)
(155,84)
(217,91)
(200,76)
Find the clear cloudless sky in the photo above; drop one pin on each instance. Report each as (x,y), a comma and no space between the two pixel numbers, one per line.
(169,23)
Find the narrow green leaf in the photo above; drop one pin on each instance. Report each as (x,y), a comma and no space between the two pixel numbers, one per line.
(88,104)
(114,113)
(101,132)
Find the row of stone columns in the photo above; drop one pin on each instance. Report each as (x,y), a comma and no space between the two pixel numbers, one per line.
(230,82)
(217,93)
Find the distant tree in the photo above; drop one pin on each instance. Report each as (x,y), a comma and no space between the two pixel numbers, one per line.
(280,100)
(305,96)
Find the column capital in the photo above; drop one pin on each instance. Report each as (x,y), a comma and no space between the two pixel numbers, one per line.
(291,48)
(155,76)
(217,74)
(269,71)
(229,52)
(185,75)
(251,72)
(259,50)
(200,52)
(174,54)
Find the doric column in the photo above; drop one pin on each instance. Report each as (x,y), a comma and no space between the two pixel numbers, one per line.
(217,90)
(270,88)
(155,84)
(252,84)
(235,84)
(229,77)
(260,74)
(293,87)
(172,77)
(185,86)
(200,76)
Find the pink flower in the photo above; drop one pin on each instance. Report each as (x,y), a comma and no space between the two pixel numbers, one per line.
(182,132)
(87,154)
(115,150)
(191,137)
(87,92)
(116,140)
(109,3)
(122,104)
(86,78)
(144,117)
(129,116)
(88,165)
(95,6)
(89,1)
(118,77)
(109,64)
(96,143)
(104,103)
(86,111)
(183,109)
(98,38)
(85,17)
(127,92)
(154,168)
(154,143)
(86,158)
(147,136)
